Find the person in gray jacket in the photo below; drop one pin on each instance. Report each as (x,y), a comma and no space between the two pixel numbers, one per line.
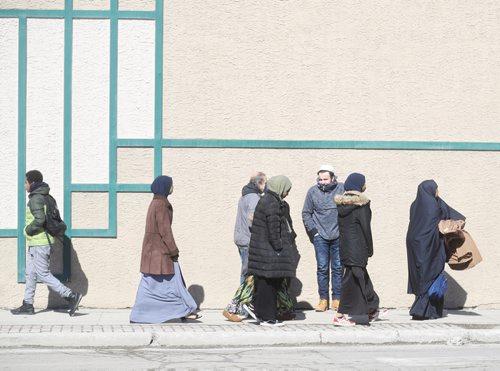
(250,196)
(320,218)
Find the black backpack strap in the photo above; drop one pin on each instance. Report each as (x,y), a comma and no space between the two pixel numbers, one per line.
(46,216)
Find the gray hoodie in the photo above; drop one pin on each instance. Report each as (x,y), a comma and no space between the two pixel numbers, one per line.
(250,196)
(319,213)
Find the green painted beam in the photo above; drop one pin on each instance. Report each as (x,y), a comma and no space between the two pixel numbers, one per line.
(76,14)
(139,143)
(113,114)
(106,14)
(68,122)
(107,233)
(21,146)
(137,14)
(82,187)
(331,144)
(313,144)
(8,233)
(31,13)
(139,188)
(104,188)
(158,89)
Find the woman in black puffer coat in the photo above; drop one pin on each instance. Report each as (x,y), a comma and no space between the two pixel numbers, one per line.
(357,294)
(273,255)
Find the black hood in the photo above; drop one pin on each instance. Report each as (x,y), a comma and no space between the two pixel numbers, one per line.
(345,210)
(250,188)
(39,188)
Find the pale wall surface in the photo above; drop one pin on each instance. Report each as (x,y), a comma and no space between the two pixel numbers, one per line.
(90,89)
(385,70)
(284,70)
(8,119)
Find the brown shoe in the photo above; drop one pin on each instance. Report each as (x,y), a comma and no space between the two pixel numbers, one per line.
(231,316)
(322,306)
(335,304)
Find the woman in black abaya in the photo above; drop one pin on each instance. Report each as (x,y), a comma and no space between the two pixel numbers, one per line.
(425,249)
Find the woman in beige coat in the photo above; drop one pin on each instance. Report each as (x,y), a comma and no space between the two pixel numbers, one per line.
(162,295)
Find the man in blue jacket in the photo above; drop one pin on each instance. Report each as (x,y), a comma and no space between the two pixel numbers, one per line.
(320,218)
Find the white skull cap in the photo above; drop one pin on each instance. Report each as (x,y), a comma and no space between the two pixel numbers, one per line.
(326,168)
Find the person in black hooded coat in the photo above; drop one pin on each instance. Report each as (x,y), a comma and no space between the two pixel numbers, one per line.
(426,250)
(273,255)
(358,296)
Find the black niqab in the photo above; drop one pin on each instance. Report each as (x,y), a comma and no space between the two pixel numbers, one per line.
(425,249)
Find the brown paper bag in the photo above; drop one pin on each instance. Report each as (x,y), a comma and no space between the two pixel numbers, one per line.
(466,255)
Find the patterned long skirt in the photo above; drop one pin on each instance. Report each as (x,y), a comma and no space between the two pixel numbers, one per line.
(244,296)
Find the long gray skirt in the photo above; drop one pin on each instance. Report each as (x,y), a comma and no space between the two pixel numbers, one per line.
(161,298)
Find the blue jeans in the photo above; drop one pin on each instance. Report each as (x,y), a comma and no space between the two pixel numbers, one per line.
(244,262)
(328,253)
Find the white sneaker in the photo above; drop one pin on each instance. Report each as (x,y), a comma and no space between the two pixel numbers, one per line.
(272,323)
(379,313)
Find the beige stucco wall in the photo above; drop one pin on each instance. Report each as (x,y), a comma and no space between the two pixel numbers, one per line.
(390,70)
(393,70)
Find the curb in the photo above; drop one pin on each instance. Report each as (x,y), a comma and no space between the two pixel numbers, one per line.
(207,336)
(75,340)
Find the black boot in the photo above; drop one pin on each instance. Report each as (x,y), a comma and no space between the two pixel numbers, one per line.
(24,309)
(74,300)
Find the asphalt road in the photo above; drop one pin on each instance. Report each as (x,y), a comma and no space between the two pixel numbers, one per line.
(395,357)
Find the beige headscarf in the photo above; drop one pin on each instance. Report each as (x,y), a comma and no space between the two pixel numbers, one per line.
(279,184)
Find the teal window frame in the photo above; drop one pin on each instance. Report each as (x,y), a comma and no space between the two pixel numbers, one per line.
(112,188)
(158,142)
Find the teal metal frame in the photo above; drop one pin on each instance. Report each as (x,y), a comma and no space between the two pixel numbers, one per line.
(158,142)
(69,14)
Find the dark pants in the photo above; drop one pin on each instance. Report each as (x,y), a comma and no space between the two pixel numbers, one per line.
(266,297)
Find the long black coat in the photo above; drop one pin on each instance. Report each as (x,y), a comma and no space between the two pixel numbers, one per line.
(356,244)
(273,253)
(425,247)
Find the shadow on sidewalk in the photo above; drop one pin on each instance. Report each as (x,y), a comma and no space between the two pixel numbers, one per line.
(456,296)
(457,312)
(294,291)
(62,311)
(198,294)
(77,282)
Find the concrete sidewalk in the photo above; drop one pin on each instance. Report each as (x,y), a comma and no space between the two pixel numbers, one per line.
(111,328)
